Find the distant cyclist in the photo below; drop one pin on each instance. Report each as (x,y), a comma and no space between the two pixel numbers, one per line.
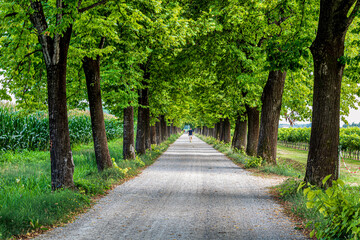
(190,133)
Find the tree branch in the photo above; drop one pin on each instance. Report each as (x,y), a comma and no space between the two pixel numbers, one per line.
(102,42)
(38,19)
(354,13)
(81,10)
(11,14)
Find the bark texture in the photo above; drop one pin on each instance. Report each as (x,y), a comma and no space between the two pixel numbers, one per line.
(270,115)
(153,134)
(147,118)
(140,131)
(168,131)
(226,130)
(55,51)
(253,130)
(163,128)
(92,74)
(128,143)
(143,140)
(158,132)
(221,130)
(239,138)
(217,131)
(327,48)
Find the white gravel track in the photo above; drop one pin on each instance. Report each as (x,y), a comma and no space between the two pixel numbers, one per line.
(191,192)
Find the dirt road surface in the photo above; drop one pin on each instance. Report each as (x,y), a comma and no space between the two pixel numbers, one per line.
(191,192)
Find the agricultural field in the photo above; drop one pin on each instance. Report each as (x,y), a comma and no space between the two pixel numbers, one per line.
(20,130)
(349,139)
(349,168)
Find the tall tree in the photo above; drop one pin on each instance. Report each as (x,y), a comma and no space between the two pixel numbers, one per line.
(53,35)
(270,115)
(128,143)
(285,47)
(253,130)
(240,132)
(328,51)
(92,73)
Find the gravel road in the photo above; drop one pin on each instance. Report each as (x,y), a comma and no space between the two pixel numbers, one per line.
(191,192)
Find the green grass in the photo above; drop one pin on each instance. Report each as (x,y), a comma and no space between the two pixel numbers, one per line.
(26,200)
(293,154)
(298,158)
(296,202)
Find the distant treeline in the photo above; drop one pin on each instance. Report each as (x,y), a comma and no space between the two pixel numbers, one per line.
(300,125)
(351,125)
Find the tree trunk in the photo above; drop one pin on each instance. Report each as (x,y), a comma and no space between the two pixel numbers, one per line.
(168,131)
(128,142)
(143,140)
(211,132)
(163,128)
(147,118)
(239,138)
(253,130)
(140,131)
(55,50)
(221,130)
(217,131)
(92,74)
(227,130)
(270,115)
(158,132)
(327,49)
(153,134)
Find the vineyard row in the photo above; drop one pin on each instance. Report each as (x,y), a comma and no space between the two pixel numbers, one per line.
(300,138)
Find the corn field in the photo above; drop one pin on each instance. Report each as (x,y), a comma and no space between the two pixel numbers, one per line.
(19,130)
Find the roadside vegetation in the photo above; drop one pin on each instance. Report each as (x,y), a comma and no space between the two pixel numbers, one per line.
(27,203)
(206,63)
(325,214)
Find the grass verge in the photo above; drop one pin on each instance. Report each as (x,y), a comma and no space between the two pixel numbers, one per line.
(27,204)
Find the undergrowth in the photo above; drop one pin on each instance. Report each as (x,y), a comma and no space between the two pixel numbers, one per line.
(26,201)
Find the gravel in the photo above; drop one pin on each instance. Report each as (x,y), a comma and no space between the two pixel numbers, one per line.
(191,192)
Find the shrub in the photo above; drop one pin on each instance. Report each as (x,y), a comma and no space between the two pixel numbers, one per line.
(340,207)
(253,162)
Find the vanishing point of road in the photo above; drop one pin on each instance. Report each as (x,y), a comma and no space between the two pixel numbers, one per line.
(191,192)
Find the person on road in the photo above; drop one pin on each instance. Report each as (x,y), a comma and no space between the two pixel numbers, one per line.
(190,133)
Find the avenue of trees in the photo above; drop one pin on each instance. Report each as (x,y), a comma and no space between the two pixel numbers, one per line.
(214,64)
